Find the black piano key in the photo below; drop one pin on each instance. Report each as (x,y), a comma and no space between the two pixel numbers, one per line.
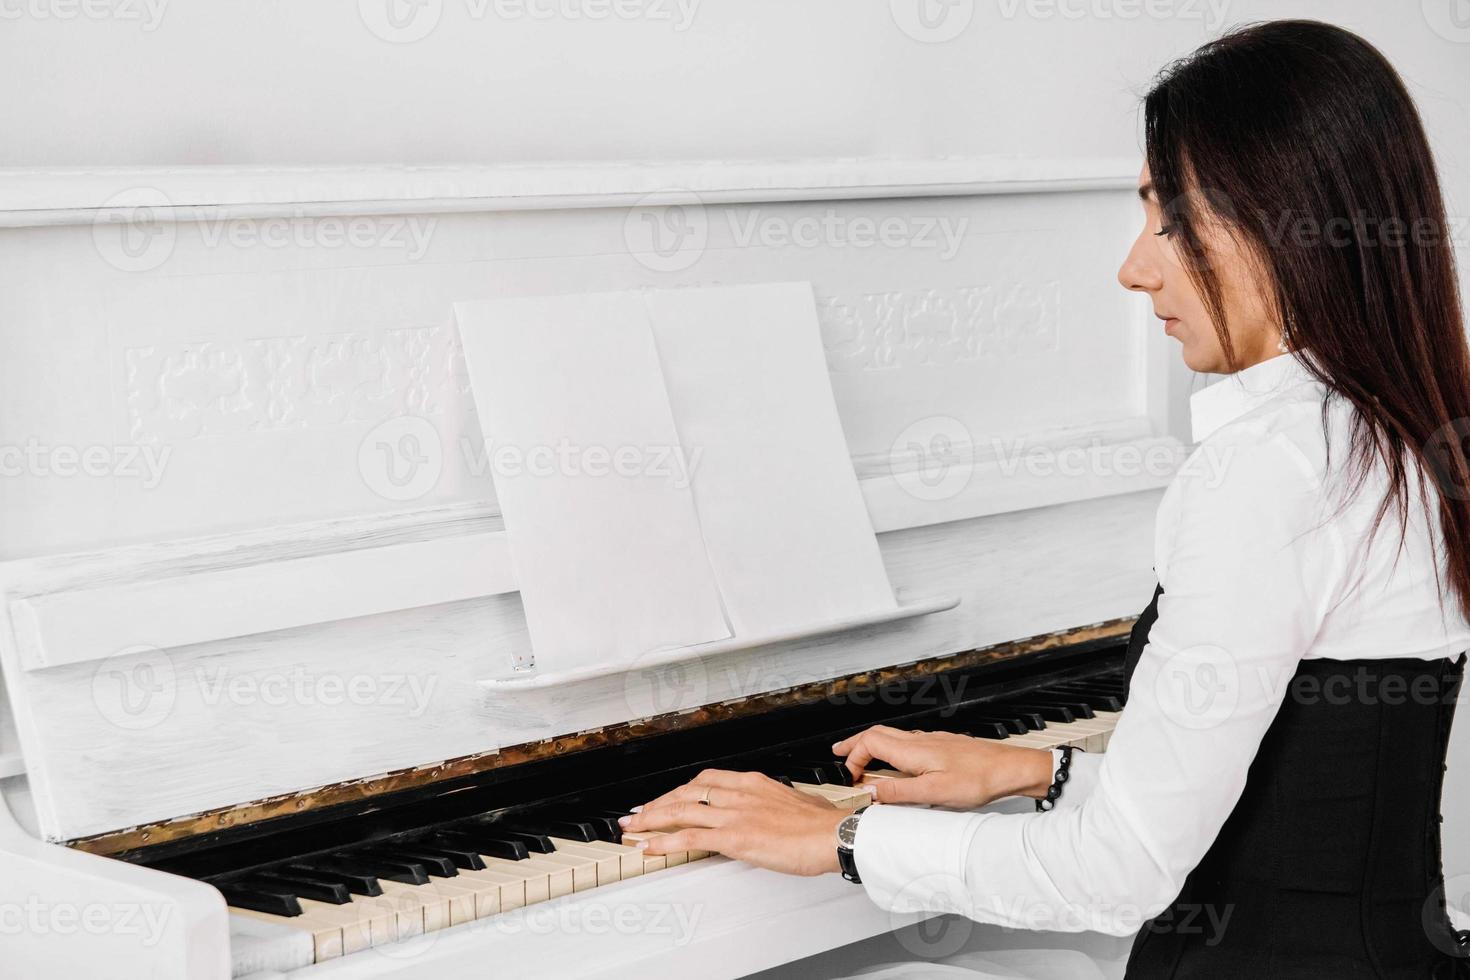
(985,729)
(604,825)
(1048,712)
(313,888)
(536,843)
(811,773)
(270,900)
(835,770)
(1096,699)
(570,829)
(1079,709)
(1033,720)
(497,847)
(438,866)
(1012,724)
(406,872)
(358,884)
(463,857)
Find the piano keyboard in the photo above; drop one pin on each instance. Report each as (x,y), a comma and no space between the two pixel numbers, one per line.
(292,913)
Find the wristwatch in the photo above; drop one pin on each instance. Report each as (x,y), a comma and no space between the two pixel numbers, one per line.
(846,838)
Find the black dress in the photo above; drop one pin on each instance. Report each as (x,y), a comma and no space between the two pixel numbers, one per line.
(1329,865)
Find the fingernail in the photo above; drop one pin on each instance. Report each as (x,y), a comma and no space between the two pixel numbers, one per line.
(872,789)
(624,821)
(636,809)
(640,845)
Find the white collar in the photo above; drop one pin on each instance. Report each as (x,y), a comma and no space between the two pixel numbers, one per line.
(1227,400)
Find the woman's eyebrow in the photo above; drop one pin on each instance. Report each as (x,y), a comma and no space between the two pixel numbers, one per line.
(1146,192)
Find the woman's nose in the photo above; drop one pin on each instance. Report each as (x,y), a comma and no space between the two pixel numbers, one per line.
(1138,273)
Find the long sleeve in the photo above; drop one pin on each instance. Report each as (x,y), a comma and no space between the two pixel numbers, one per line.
(1253,566)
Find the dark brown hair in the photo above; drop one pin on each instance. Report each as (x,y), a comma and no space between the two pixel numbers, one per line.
(1303,141)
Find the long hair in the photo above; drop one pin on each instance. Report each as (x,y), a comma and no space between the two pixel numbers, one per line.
(1302,141)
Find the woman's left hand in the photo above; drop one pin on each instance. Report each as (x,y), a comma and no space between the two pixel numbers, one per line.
(749,817)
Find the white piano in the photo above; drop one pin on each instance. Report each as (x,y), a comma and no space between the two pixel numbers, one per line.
(258,603)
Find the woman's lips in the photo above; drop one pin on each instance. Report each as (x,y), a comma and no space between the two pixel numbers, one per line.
(1170,323)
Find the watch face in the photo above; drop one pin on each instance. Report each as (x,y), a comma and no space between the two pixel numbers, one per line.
(847,832)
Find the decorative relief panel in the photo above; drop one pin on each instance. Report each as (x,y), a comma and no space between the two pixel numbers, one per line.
(937,327)
(177,392)
(182,391)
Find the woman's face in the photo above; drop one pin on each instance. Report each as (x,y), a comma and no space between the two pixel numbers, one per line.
(1155,265)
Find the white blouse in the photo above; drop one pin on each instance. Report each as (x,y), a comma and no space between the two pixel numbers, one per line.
(1262,566)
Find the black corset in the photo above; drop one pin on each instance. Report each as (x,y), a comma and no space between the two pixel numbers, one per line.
(1329,865)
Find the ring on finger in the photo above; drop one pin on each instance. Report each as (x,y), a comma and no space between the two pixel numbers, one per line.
(704,797)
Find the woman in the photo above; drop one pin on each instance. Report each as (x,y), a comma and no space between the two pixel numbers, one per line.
(1269,803)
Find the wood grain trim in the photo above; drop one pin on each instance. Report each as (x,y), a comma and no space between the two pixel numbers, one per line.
(180,828)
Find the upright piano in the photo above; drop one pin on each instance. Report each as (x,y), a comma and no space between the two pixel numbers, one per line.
(259,612)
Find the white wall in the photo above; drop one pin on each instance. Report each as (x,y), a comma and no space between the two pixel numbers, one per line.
(92,82)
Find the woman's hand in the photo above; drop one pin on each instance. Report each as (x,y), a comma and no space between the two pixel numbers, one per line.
(749,817)
(947,770)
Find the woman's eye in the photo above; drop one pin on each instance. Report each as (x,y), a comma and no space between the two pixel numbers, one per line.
(1166,232)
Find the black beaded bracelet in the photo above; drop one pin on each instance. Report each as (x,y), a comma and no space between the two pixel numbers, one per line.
(1054,791)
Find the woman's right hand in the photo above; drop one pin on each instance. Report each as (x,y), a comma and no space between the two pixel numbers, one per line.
(948,770)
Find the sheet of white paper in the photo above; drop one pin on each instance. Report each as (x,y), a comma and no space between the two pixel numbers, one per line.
(779,504)
(606,543)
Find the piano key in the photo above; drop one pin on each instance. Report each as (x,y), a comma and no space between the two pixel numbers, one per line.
(1047,712)
(572,829)
(631,861)
(833,770)
(1010,724)
(1096,699)
(603,824)
(542,877)
(464,858)
(357,884)
(429,902)
(584,869)
(842,797)
(408,855)
(356,930)
(330,892)
(536,843)
(512,888)
(405,873)
(485,844)
(1079,709)
(607,868)
(671,860)
(272,900)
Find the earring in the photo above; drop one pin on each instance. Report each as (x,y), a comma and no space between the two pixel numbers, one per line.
(1288,328)
(1281,345)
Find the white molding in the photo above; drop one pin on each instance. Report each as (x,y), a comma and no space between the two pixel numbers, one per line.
(81,608)
(12,764)
(669,658)
(79,196)
(91,624)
